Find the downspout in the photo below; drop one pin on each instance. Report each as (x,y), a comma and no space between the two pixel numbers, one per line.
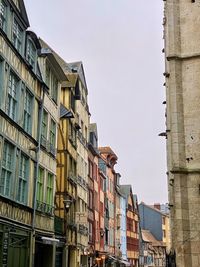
(38,149)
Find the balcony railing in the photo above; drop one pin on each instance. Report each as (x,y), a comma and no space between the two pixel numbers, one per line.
(45,208)
(49,147)
(72,177)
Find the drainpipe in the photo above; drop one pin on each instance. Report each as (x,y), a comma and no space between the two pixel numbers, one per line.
(38,148)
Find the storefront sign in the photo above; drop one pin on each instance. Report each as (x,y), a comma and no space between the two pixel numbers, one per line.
(15,213)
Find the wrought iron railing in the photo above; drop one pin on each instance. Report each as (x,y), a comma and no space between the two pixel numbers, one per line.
(45,208)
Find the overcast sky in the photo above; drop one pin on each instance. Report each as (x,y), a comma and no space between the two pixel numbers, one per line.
(120,44)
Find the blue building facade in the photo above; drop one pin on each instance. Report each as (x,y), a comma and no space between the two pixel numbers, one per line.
(123,227)
(151,219)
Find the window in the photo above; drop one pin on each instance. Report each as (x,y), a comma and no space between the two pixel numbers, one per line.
(164,234)
(3,15)
(90,200)
(49,195)
(106,236)
(163,220)
(52,137)
(11,107)
(44,128)
(7,169)
(90,232)
(52,83)
(54,88)
(17,36)
(90,169)
(27,111)
(40,185)
(48,76)
(31,53)
(23,179)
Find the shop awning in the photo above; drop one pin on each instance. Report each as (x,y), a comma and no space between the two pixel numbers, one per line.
(49,240)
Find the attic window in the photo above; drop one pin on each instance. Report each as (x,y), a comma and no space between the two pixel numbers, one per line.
(17,35)
(31,53)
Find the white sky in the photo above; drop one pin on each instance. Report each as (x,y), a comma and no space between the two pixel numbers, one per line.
(119,43)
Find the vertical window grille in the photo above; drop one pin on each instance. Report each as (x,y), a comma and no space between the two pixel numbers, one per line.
(27,111)
(53,134)
(7,169)
(54,88)
(23,179)
(44,128)
(31,53)
(17,36)
(49,196)
(11,107)
(40,185)
(2,15)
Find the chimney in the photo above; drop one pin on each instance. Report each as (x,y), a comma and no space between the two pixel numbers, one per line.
(157,206)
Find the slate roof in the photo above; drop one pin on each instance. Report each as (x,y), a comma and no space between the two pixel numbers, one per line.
(125,191)
(22,10)
(148,237)
(150,207)
(72,70)
(78,67)
(65,113)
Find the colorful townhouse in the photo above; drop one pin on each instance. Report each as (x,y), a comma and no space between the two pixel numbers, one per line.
(93,195)
(100,216)
(107,162)
(153,251)
(157,222)
(30,82)
(83,116)
(132,225)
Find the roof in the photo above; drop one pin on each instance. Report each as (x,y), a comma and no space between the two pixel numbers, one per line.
(93,129)
(154,209)
(77,67)
(125,190)
(148,237)
(65,113)
(47,52)
(107,150)
(20,7)
(61,62)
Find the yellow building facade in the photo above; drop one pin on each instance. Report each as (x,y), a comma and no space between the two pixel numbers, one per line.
(30,82)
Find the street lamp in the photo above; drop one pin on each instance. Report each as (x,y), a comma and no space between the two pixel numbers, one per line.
(102,232)
(67,204)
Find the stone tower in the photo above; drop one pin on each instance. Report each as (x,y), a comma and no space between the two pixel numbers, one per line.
(182,74)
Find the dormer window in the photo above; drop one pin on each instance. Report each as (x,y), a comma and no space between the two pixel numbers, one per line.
(31,53)
(17,35)
(3,15)
(52,83)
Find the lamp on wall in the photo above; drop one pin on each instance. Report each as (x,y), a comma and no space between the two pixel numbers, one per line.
(67,204)
(102,232)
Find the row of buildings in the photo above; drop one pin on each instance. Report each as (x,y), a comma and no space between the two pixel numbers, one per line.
(61,201)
